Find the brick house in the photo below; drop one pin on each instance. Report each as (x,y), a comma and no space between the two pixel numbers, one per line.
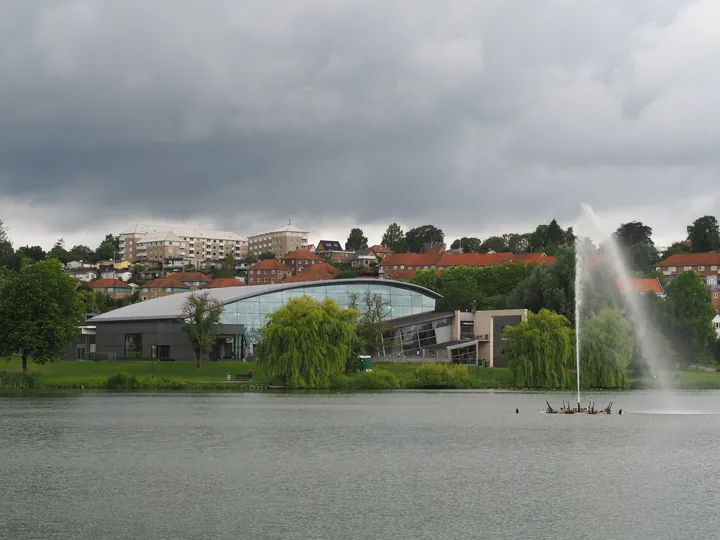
(192,279)
(267,271)
(707,265)
(299,260)
(404,265)
(158,288)
(317,272)
(223,282)
(641,286)
(114,288)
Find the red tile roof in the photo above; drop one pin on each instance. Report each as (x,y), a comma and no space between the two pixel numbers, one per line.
(191,276)
(301,254)
(269,264)
(223,282)
(377,248)
(162,283)
(316,272)
(447,260)
(108,282)
(691,259)
(429,258)
(641,285)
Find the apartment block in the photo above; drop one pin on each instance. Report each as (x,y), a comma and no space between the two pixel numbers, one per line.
(144,243)
(280,241)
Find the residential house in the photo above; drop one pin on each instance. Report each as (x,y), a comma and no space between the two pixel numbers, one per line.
(193,280)
(299,260)
(380,251)
(707,265)
(364,258)
(641,286)
(280,241)
(114,288)
(267,271)
(224,282)
(85,275)
(193,245)
(75,265)
(212,264)
(316,272)
(122,275)
(333,250)
(162,287)
(404,265)
(716,324)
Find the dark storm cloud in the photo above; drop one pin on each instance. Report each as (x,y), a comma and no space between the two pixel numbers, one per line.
(409,110)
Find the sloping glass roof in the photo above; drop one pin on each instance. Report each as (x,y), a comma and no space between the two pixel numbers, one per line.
(169,307)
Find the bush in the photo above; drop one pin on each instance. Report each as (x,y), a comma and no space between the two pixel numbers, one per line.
(15,379)
(378,379)
(162,383)
(354,364)
(443,376)
(122,381)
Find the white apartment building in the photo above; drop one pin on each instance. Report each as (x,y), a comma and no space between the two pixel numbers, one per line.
(151,242)
(280,241)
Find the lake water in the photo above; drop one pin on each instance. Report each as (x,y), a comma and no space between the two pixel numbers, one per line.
(403,465)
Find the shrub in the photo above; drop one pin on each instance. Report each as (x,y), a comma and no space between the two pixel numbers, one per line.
(15,379)
(443,376)
(122,381)
(377,379)
(354,364)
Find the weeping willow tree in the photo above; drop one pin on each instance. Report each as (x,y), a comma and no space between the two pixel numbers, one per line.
(306,344)
(606,350)
(540,350)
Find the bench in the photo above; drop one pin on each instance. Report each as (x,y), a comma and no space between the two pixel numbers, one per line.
(243,377)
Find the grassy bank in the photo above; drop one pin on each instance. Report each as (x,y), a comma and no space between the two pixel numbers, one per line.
(184,375)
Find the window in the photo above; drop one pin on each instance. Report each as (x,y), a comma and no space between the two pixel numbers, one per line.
(701,268)
(715,295)
(673,269)
(713,268)
(160,352)
(687,268)
(133,345)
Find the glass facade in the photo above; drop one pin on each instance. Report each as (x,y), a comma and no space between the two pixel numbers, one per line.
(252,312)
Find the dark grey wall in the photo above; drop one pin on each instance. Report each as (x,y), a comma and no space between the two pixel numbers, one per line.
(500,359)
(110,337)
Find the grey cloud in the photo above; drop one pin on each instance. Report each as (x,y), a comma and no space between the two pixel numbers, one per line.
(464,115)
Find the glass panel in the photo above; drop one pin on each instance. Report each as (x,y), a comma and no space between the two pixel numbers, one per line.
(133,345)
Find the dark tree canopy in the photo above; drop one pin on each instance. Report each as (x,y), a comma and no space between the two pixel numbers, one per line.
(81,253)
(59,252)
(676,249)
(494,243)
(7,254)
(394,239)
(108,249)
(704,234)
(356,240)
(32,253)
(266,255)
(469,244)
(635,232)
(425,234)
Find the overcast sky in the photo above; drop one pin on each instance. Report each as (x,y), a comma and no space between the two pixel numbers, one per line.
(478,117)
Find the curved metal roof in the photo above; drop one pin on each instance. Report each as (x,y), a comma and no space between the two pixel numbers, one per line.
(168,307)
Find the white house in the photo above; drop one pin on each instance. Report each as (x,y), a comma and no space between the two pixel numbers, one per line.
(82,274)
(122,275)
(74,265)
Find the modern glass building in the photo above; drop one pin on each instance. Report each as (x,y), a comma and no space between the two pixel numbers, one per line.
(152,329)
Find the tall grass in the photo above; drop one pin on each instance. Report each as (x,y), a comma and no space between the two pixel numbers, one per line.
(442,376)
(19,379)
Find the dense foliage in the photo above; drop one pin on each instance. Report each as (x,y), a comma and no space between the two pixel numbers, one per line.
(306,344)
(39,312)
(606,350)
(425,234)
(540,350)
(356,240)
(394,239)
(463,288)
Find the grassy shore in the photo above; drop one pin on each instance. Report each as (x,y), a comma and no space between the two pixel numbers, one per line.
(184,375)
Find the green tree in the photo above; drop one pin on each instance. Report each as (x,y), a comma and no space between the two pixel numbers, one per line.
(228,267)
(266,255)
(676,248)
(39,312)
(555,234)
(688,314)
(426,234)
(59,252)
(704,234)
(494,243)
(540,350)
(635,232)
(201,315)
(517,243)
(109,249)
(306,344)
(356,240)
(371,325)
(81,253)
(469,244)
(32,253)
(642,257)
(606,350)
(394,239)
(7,254)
